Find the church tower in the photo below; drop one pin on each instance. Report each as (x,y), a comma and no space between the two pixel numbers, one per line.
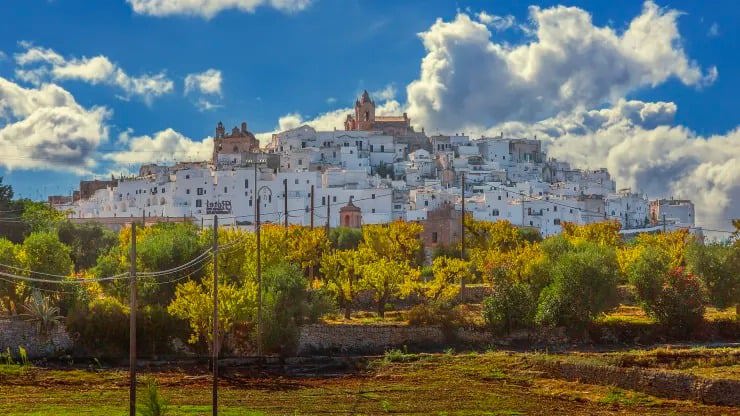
(364,112)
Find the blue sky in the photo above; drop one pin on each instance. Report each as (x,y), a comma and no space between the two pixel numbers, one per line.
(313,57)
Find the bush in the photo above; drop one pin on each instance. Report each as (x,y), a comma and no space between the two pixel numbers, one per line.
(509,307)
(583,285)
(101,328)
(284,308)
(718,266)
(154,404)
(435,313)
(319,303)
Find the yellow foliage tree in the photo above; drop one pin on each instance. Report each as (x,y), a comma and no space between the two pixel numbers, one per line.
(602,233)
(449,273)
(341,271)
(387,278)
(398,241)
(306,247)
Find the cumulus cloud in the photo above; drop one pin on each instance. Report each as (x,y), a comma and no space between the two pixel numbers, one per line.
(642,149)
(46,128)
(496,22)
(468,80)
(164,146)
(38,65)
(207,82)
(209,8)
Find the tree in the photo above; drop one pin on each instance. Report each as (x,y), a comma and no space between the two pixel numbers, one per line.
(398,241)
(509,307)
(718,266)
(9,296)
(345,238)
(44,254)
(87,242)
(603,233)
(668,293)
(388,278)
(284,307)
(583,285)
(342,270)
(499,235)
(448,274)
(41,217)
(306,246)
(6,195)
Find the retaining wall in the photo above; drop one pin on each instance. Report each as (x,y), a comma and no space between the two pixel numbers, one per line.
(16,333)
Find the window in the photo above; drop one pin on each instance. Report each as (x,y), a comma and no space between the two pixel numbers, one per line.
(300,162)
(226,189)
(187,176)
(382,148)
(250,202)
(434,237)
(187,191)
(198,203)
(199,191)
(334,199)
(372,196)
(296,181)
(495,213)
(556,221)
(323,200)
(246,183)
(426,203)
(499,197)
(163,190)
(555,208)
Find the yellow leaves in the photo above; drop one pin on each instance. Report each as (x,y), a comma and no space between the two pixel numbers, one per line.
(486,235)
(518,264)
(448,274)
(605,233)
(398,241)
(306,246)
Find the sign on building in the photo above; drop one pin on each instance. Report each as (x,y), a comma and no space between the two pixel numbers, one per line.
(218,207)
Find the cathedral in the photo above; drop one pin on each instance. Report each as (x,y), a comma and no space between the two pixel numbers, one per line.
(397,126)
(238,142)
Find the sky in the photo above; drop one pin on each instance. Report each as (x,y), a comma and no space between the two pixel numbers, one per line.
(645,89)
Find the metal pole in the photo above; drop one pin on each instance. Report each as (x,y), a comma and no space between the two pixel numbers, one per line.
(132,326)
(259,283)
(285,200)
(663,222)
(214,344)
(312,207)
(254,194)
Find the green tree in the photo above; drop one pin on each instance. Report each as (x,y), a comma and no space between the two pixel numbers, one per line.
(718,266)
(41,217)
(10,299)
(284,308)
(87,242)
(668,293)
(44,254)
(509,307)
(583,285)
(345,238)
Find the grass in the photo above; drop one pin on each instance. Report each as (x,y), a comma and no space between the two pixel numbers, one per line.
(630,314)
(492,383)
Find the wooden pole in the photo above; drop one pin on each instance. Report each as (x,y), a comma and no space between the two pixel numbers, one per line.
(259,282)
(328,213)
(214,344)
(132,325)
(462,233)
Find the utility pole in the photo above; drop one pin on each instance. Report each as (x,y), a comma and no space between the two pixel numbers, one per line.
(328,213)
(259,282)
(312,206)
(254,195)
(132,326)
(462,231)
(663,222)
(214,344)
(285,200)
(462,219)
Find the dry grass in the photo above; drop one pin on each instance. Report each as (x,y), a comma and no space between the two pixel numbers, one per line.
(419,384)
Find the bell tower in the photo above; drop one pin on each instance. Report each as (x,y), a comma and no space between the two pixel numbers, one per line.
(365,112)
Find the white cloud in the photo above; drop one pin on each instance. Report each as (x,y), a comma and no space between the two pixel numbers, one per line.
(496,22)
(468,81)
(164,146)
(209,8)
(3,56)
(713,30)
(641,148)
(331,100)
(37,65)
(207,82)
(386,94)
(46,128)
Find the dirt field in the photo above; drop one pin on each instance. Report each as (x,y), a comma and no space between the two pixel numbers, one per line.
(494,383)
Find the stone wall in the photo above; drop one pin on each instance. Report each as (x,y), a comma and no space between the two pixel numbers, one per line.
(346,339)
(654,382)
(16,333)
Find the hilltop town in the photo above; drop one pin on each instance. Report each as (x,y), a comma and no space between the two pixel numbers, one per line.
(378,169)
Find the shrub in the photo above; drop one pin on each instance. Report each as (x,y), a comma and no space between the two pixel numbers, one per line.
(718,266)
(153,404)
(102,328)
(40,312)
(435,313)
(583,285)
(509,307)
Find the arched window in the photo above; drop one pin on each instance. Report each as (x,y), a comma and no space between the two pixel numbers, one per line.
(346,221)
(367,116)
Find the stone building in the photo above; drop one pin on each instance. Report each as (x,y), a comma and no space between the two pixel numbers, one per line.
(239,141)
(442,227)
